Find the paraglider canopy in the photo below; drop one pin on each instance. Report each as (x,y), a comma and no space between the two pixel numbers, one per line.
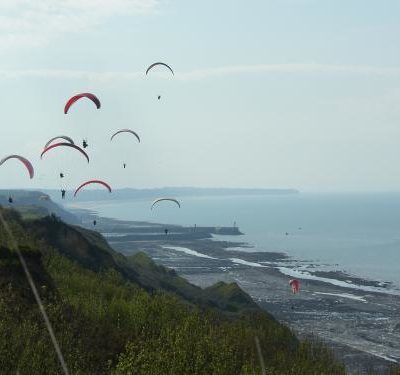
(75,98)
(295,284)
(23,160)
(159,63)
(65,137)
(165,199)
(64,144)
(93,182)
(126,131)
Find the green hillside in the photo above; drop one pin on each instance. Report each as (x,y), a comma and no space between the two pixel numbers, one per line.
(118,315)
(34,204)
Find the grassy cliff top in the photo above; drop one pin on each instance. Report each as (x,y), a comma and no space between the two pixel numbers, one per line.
(118,315)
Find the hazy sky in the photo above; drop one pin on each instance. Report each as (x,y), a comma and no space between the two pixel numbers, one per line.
(286,93)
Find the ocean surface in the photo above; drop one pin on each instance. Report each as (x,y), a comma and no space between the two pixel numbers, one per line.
(356,233)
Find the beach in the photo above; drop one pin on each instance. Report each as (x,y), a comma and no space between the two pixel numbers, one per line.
(357,317)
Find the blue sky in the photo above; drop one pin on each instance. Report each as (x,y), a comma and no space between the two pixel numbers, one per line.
(289,93)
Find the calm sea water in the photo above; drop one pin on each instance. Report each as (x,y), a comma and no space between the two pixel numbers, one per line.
(357,233)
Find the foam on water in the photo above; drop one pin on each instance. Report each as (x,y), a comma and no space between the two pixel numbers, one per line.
(343,295)
(308,276)
(246,263)
(188,251)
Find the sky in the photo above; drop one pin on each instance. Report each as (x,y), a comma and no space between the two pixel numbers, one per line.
(298,94)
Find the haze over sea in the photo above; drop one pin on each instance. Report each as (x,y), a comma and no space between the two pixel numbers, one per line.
(355,232)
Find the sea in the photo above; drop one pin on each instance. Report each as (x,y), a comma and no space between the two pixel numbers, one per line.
(358,233)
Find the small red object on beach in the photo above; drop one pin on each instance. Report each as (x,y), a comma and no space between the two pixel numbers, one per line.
(295,284)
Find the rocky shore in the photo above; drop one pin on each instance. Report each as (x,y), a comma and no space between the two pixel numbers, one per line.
(358,318)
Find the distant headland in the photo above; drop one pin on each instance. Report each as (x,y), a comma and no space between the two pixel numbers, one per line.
(129,193)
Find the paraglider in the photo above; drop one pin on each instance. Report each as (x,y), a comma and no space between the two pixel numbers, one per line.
(75,98)
(159,63)
(295,285)
(64,137)
(23,160)
(165,199)
(65,145)
(93,182)
(125,131)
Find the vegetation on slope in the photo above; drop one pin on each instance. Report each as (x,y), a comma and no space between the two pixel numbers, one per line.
(110,315)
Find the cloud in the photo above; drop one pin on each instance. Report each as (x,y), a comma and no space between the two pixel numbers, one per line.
(69,74)
(310,68)
(32,23)
(199,74)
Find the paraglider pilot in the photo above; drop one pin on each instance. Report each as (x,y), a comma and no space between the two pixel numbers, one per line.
(10,200)
(94,222)
(166,231)
(124,165)
(84,143)
(159,97)
(61,175)
(63,193)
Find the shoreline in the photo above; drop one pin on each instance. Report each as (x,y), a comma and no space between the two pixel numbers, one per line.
(356,317)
